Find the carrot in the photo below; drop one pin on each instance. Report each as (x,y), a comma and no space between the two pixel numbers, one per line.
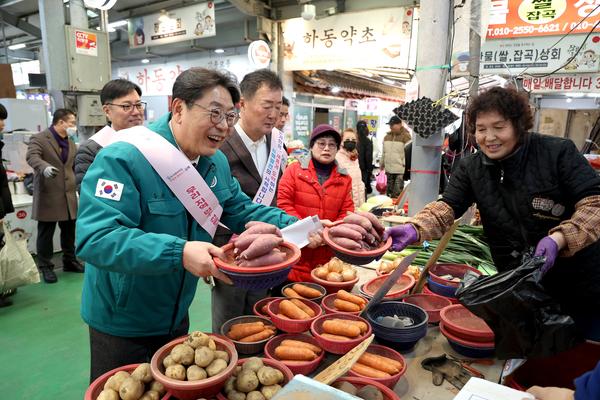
(238,331)
(303,307)
(306,291)
(367,371)
(263,309)
(337,327)
(344,305)
(378,362)
(391,361)
(359,324)
(280,315)
(299,343)
(294,353)
(289,292)
(261,246)
(292,311)
(335,337)
(262,335)
(344,295)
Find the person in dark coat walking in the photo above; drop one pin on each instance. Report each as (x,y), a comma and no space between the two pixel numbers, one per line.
(365,154)
(6,205)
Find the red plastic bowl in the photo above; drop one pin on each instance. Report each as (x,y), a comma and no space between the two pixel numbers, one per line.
(465,342)
(456,270)
(461,322)
(93,391)
(297,367)
(337,346)
(401,287)
(185,390)
(431,303)
(355,256)
(257,308)
(292,325)
(384,351)
(426,290)
(333,287)
(312,285)
(388,394)
(246,347)
(327,304)
(269,362)
(292,251)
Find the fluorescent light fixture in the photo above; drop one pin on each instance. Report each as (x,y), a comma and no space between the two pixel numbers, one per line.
(335,89)
(388,81)
(145,61)
(111,29)
(569,100)
(117,24)
(576,94)
(16,46)
(593,94)
(91,14)
(219,51)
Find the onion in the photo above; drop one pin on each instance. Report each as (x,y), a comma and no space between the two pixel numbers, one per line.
(348,275)
(321,272)
(334,277)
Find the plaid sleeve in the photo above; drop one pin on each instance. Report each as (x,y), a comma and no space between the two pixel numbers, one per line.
(583,228)
(435,219)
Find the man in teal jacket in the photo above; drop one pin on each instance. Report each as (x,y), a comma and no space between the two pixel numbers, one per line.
(144,252)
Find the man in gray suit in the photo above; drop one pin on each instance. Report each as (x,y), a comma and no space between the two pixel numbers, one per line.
(251,150)
(51,153)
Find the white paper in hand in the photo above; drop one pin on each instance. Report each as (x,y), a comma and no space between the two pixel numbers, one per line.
(298,232)
(480,389)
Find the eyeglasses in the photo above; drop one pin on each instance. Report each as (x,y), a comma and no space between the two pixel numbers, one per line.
(217,116)
(141,106)
(323,145)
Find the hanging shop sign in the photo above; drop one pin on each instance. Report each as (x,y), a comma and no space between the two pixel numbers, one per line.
(187,23)
(86,43)
(349,40)
(583,83)
(537,55)
(522,18)
(259,54)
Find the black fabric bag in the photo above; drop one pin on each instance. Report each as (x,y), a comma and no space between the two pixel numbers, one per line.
(526,320)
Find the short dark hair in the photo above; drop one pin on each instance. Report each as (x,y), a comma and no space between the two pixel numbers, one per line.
(509,103)
(192,84)
(285,101)
(254,80)
(118,88)
(3,112)
(362,129)
(62,114)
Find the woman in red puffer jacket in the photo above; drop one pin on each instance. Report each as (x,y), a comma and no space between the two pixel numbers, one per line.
(316,186)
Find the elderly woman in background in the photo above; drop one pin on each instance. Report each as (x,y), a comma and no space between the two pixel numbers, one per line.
(316,186)
(347,158)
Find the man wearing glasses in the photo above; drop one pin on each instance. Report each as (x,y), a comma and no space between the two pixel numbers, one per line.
(121,103)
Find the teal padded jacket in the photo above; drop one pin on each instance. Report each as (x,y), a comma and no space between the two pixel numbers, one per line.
(134,283)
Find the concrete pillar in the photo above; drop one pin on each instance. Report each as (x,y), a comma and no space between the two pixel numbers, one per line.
(52,24)
(78,14)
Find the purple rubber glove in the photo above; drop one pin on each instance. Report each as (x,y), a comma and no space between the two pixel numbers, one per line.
(548,248)
(402,236)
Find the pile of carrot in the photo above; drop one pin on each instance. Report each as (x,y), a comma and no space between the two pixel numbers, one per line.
(376,366)
(296,350)
(300,291)
(343,329)
(251,331)
(295,309)
(348,302)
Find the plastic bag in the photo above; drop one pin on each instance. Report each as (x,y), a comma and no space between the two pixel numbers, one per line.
(17,267)
(381,182)
(526,320)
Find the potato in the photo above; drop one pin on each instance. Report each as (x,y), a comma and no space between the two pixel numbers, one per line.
(369,392)
(183,354)
(253,364)
(255,395)
(269,376)
(115,381)
(212,345)
(203,356)
(334,277)
(223,355)
(345,387)
(237,370)
(269,391)
(197,339)
(235,395)
(131,389)
(108,394)
(176,371)
(247,381)
(195,373)
(150,395)
(229,384)
(157,387)
(216,367)
(168,361)
(142,373)
(321,272)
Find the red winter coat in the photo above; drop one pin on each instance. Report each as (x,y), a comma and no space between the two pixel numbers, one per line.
(301,195)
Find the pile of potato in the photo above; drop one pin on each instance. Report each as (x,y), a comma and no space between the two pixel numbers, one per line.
(335,270)
(138,385)
(195,359)
(367,392)
(253,381)
(348,302)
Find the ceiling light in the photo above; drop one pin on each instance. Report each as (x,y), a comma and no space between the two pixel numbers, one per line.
(569,100)
(576,94)
(91,14)
(335,89)
(219,51)
(164,17)
(117,24)
(145,61)
(111,29)
(388,81)
(16,46)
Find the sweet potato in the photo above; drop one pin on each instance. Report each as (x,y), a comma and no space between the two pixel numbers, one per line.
(306,291)
(299,343)
(357,219)
(374,221)
(275,257)
(290,310)
(261,246)
(337,327)
(345,231)
(241,243)
(346,306)
(346,243)
(303,307)
(294,353)
(261,227)
(367,371)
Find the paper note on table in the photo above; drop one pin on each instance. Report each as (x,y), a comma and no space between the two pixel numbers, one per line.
(298,232)
(480,389)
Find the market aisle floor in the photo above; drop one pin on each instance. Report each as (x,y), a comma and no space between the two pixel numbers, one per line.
(44,351)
